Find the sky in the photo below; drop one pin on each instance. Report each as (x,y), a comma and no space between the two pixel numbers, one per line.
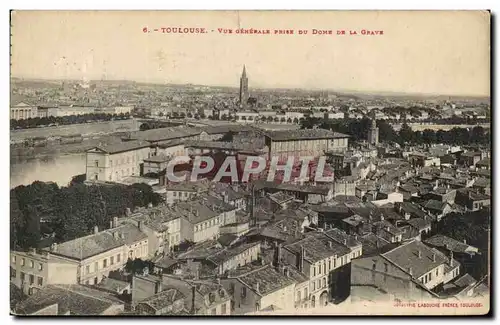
(419,52)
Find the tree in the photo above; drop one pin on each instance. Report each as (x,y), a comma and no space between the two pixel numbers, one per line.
(189,115)
(405,134)
(224,117)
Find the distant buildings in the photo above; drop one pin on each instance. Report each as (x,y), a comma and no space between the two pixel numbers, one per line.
(23,111)
(305,142)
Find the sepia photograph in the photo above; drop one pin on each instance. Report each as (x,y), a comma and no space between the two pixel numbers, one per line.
(250,163)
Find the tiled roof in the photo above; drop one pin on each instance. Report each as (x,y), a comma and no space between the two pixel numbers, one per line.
(88,246)
(124,146)
(163,299)
(268,280)
(407,257)
(317,247)
(419,223)
(305,134)
(131,234)
(229,253)
(449,243)
(77,299)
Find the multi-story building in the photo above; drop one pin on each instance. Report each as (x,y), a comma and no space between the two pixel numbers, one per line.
(424,264)
(304,142)
(326,263)
(98,254)
(115,162)
(33,270)
(257,287)
(198,222)
(232,258)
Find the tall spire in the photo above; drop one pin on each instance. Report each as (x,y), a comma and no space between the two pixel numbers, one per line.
(244,73)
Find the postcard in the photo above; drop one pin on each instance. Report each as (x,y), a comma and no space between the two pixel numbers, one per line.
(220,163)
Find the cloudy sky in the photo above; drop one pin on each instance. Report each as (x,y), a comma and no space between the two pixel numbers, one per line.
(419,52)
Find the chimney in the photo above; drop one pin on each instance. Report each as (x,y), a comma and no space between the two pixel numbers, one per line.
(111,224)
(434,257)
(300,258)
(410,271)
(451,258)
(140,225)
(128,212)
(96,229)
(122,236)
(193,298)
(325,226)
(419,253)
(158,287)
(465,241)
(286,272)
(150,205)
(53,247)
(345,242)
(115,235)
(256,287)
(277,256)
(115,221)
(330,244)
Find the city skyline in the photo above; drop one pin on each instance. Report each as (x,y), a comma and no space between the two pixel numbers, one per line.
(406,59)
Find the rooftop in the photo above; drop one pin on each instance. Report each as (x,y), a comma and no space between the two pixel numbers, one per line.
(450,243)
(267,279)
(77,299)
(305,134)
(415,257)
(318,247)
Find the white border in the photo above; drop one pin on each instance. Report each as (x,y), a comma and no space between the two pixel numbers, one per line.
(493,5)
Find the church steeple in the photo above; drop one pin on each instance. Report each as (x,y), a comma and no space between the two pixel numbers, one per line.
(243,88)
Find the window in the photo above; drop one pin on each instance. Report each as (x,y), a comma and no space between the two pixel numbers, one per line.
(430,276)
(111,260)
(334,262)
(22,261)
(314,270)
(32,279)
(22,276)
(305,293)
(174,193)
(243,292)
(40,281)
(105,263)
(314,285)
(299,295)
(14,259)
(386,267)
(324,282)
(96,163)
(223,309)
(437,272)
(118,258)
(329,264)
(96,266)
(96,281)
(87,282)
(87,269)
(13,273)
(324,268)
(111,163)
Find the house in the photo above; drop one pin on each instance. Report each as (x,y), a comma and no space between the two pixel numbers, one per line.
(437,208)
(31,271)
(235,257)
(471,200)
(70,300)
(94,255)
(167,302)
(427,265)
(422,226)
(325,262)
(256,287)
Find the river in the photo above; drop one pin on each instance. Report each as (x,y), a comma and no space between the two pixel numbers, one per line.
(59,168)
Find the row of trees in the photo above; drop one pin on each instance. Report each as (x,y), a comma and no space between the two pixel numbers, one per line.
(184,115)
(43,209)
(358,129)
(65,120)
